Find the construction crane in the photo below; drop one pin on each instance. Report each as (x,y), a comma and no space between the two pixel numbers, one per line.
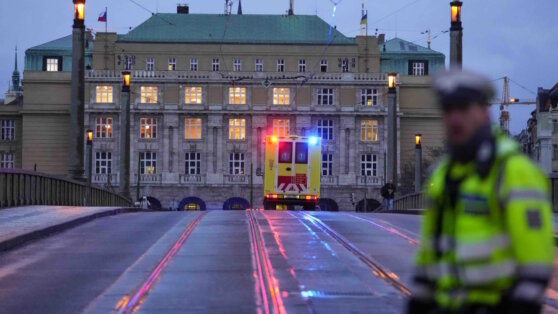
(505,102)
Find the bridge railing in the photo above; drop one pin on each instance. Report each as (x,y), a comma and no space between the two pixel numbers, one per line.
(21,188)
(415,201)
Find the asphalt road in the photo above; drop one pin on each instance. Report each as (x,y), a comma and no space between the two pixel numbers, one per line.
(218,262)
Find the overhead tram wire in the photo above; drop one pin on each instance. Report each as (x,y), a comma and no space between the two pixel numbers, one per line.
(152,13)
(406,6)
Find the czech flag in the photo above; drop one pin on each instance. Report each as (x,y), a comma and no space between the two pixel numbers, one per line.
(103,17)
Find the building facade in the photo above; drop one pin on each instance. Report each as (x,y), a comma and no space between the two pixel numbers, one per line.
(207,89)
(11,123)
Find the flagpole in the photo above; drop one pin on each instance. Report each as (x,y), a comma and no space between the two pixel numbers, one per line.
(106,19)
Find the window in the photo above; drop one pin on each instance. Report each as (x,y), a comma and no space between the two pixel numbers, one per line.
(554,152)
(554,126)
(52,64)
(369,130)
(150,64)
(103,162)
(327,164)
(148,163)
(368,165)
(215,65)
(325,129)
(325,96)
(302,65)
(193,95)
(104,94)
(281,127)
(259,65)
(194,64)
(7,160)
(192,163)
(129,62)
(345,65)
(8,130)
(418,68)
(237,95)
(323,65)
(369,97)
(172,64)
(236,164)
(192,129)
(301,153)
(103,127)
(237,129)
(237,65)
(149,94)
(281,96)
(148,128)
(285,152)
(281,65)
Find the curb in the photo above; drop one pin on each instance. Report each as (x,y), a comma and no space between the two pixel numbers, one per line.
(20,240)
(406,212)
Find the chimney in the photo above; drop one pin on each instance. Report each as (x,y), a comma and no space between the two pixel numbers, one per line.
(291,7)
(381,38)
(183,9)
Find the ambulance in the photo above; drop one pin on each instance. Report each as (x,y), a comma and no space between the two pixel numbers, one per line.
(292,172)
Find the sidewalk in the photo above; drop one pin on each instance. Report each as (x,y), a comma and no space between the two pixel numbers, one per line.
(22,224)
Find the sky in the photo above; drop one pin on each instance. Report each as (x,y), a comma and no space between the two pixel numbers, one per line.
(514,38)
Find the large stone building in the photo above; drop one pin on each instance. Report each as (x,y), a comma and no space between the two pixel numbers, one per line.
(206,89)
(10,122)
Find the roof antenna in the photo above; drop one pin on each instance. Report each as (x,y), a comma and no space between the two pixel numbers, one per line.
(291,7)
(239,12)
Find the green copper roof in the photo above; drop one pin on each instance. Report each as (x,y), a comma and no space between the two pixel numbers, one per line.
(243,29)
(63,43)
(398,45)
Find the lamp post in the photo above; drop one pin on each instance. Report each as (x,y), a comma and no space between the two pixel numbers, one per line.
(124,167)
(418,163)
(392,129)
(77,92)
(89,164)
(456,36)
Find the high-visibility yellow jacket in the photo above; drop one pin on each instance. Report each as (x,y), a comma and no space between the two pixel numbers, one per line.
(494,239)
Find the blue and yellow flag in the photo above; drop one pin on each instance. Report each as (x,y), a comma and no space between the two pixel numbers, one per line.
(364,19)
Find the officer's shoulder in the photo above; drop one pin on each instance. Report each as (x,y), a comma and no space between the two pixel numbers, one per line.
(519,168)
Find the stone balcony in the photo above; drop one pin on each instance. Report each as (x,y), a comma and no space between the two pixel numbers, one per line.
(149,178)
(330,180)
(236,179)
(112,179)
(192,179)
(370,181)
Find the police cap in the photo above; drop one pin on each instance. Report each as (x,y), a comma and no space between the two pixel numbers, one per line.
(460,89)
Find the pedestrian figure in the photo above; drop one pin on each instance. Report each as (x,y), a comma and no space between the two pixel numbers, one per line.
(487,241)
(144,203)
(388,193)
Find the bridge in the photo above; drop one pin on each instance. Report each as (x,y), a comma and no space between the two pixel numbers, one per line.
(69,248)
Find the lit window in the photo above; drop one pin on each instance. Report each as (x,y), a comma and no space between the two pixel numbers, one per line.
(327,164)
(7,160)
(192,129)
(259,65)
(8,130)
(236,164)
(237,95)
(302,65)
(148,163)
(281,127)
(148,128)
(194,64)
(192,163)
(103,162)
(368,165)
(369,97)
(104,94)
(369,130)
(129,62)
(215,65)
(323,65)
(237,65)
(419,68)
(150,64)
(237,129)
(281,65)
(281,96)
(325,96)
(103,127)
(345,65)
(149,94)
(325,129)
(52,64)
(193,95)
(172,64)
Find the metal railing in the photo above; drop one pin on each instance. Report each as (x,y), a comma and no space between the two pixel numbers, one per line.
(415,201)
(22,188)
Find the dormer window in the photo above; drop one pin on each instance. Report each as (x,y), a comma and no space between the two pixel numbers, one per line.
(418,67)
(52,64)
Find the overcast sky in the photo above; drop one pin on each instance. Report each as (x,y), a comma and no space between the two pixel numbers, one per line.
(516,38)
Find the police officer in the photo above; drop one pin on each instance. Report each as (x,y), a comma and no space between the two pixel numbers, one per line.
(487,240)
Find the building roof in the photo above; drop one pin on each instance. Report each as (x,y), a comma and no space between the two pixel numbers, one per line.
(400,46)
(241,29)
(63,43)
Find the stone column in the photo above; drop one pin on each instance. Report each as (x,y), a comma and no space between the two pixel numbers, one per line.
(124,166)
(392,137)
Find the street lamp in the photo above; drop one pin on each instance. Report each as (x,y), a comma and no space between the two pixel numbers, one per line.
(456,36)
(392,81)
(79,11)
(89,163)
(392,129)
(126,81)
(124,166)
(418,163)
